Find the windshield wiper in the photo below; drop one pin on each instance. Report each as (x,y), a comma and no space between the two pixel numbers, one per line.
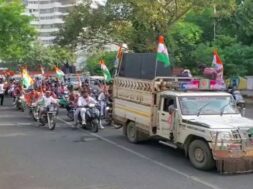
(223,108)
(201,108)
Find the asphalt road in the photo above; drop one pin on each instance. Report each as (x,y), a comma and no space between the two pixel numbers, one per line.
(33,157)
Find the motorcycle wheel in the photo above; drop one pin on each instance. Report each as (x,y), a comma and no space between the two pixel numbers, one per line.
(107,122)
(43,120)
(42,123)
(94,125)
(21,106)
(51,123)
(17,106)
(34,117)
(71,116)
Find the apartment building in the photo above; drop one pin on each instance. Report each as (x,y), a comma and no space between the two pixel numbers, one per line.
(48,16)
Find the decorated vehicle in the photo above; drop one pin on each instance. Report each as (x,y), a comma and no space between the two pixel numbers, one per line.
(195,115)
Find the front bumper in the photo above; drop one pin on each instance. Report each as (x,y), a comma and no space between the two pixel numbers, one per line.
(232,154)
(234,161)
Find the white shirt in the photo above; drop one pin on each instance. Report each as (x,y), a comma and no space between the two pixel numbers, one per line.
(1,88)
(101,96)
(85,101)
(47,101)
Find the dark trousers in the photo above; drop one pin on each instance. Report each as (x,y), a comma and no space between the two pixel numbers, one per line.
(2,99)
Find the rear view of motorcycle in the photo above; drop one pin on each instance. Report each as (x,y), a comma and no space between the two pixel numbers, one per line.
(108,114)
(49,116)
(92,117)
(20,103)
(34,111)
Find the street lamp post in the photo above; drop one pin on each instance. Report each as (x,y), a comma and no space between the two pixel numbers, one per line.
(214,24)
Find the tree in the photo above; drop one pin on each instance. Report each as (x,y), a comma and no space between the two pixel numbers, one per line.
(137,23)
(93,62)
(244,19)
(183,39)
(47,57)
(187,24)
(16,33)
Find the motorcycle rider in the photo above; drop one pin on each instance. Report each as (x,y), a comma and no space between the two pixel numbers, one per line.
(84,100)
(17,93)
(102,100)
(32,96)
(45,101)
(73,98)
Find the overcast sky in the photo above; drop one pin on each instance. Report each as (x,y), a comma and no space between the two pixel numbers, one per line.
(96,3)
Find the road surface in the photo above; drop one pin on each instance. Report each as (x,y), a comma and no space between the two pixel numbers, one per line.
(33,157)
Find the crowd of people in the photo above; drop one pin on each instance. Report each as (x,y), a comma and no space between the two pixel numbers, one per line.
(45,91)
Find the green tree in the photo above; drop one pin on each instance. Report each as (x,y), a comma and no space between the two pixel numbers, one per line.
(183,39)
(47,57)
(137,23)
(93,62)
(16,33)
(244,20)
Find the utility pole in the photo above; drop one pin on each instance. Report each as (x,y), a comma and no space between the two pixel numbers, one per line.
(214,23)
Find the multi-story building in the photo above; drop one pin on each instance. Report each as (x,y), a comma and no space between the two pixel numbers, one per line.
(48,16)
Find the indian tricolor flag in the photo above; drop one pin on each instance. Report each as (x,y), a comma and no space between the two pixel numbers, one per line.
(118,57)
(27,81)
(105,71)
(162,53)
(218,65)
(59,72)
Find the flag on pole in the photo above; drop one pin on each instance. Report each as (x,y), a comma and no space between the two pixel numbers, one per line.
(59,72)
(79,80)
(118,57)
(218,65)
(42,70)
(105,71)
(162,53)
(27,80)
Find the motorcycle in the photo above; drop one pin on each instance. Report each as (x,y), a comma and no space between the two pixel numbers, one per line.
(92,117)
(34,112)
(108,113)
(240,102)
(49,117)
(64,100)
(70,113)
(20,103)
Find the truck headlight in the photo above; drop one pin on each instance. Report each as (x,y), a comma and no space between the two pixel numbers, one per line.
(221,136)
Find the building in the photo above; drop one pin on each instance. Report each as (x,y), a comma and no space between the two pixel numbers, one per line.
(48,16)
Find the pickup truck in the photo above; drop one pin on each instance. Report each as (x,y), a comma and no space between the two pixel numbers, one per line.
(201,120)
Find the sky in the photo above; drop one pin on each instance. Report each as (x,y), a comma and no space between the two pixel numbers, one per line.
(96,3)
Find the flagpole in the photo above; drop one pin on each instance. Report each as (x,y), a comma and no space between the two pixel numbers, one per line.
(119,66)
(155,68)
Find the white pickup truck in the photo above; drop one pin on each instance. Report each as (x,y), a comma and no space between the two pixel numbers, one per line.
(205,124)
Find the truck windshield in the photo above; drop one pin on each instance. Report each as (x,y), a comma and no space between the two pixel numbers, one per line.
(191,105)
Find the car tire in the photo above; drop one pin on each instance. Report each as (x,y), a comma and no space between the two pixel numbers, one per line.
(200,155)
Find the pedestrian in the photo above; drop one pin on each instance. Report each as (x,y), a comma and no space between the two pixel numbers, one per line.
(1,92)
